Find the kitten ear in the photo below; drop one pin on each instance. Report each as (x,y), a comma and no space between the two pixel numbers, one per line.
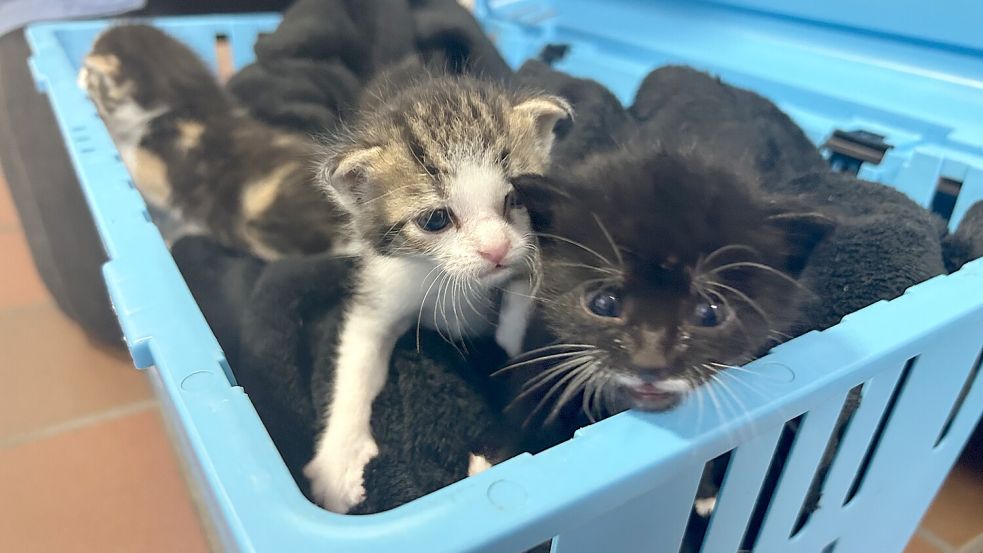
(543,113)
(347,175)
(803,231)
(540,196)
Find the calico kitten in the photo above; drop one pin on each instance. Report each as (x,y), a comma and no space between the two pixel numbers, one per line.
(427,175)
(193,155)
(659,270)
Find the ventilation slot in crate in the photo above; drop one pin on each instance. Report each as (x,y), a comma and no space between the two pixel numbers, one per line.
(768,488)
(946,194)
(879,432)
(847,412)
(957,406)
(704,502)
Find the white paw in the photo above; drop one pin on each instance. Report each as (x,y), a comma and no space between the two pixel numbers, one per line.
(337,472)
(477,464)
(705,506)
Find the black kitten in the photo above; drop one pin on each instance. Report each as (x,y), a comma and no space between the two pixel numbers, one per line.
(659,270)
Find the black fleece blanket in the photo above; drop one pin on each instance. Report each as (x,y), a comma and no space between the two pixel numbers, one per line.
(277,322)
(311,70)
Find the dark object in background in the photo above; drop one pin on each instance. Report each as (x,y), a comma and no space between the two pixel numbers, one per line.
(56,220)
(309,72)
(688,109)
(59,228)
(552,53)
(966,244)
(849,150)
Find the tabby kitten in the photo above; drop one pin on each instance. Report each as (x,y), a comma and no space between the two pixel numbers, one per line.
(427,176)
(659,270)
(194,156)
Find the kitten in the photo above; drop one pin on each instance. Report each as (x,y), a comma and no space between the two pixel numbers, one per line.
(442,238)
(193,155)
(658,270)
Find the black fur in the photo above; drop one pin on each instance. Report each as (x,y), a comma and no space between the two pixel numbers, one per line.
(700,227)
(966,244)
(310,72)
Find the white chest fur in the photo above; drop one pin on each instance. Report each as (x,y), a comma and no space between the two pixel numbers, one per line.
(393,294)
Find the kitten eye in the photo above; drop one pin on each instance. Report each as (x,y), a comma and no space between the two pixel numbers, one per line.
(710,313)
(512,201)
(605,302)
(434,221)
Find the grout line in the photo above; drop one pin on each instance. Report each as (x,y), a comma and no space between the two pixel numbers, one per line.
(933,539)
(81,422)
(974,545)
(28,308)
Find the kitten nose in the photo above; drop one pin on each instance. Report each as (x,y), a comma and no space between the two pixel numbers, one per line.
(652,352)
(494,252)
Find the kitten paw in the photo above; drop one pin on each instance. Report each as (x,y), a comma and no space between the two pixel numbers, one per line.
(337,472)
(705,505)
(477,464)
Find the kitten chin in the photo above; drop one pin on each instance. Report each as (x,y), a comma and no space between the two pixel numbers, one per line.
(658,271)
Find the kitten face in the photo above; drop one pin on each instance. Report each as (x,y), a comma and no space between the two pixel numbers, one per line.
(135,72)
(429,175)
(661,271)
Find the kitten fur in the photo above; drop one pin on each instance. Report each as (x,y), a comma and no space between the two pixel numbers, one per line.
(433,149)
(193,154)
(693,267)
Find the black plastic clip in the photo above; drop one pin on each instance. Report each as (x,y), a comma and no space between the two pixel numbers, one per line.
(851,149)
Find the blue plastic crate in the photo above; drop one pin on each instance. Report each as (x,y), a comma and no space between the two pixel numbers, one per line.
(627,483)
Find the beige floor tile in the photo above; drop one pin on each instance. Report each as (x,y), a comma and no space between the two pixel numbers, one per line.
(52,373)
(111,487)
(8,215)
(956,516)
(20,284)
(920,545)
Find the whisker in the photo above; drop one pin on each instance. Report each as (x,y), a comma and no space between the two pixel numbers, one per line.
(728,248)
(419,317)
(547,374)
(614,247)
(751,303)
(514,366)
(589,267)
(552,347)
(760,266)
(560,384)
(572,388)
(568,367)
(575,243)
(745,383)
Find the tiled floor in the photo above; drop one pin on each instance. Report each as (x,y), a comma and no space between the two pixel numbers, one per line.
(86,466)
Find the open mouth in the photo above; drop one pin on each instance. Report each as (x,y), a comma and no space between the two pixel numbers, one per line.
(649,396)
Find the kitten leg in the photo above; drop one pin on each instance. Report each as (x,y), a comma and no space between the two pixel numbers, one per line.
(346,446)
(517,304)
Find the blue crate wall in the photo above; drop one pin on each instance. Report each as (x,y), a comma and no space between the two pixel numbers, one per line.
(627,483)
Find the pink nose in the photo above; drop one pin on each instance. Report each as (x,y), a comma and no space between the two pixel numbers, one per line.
(495,252)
